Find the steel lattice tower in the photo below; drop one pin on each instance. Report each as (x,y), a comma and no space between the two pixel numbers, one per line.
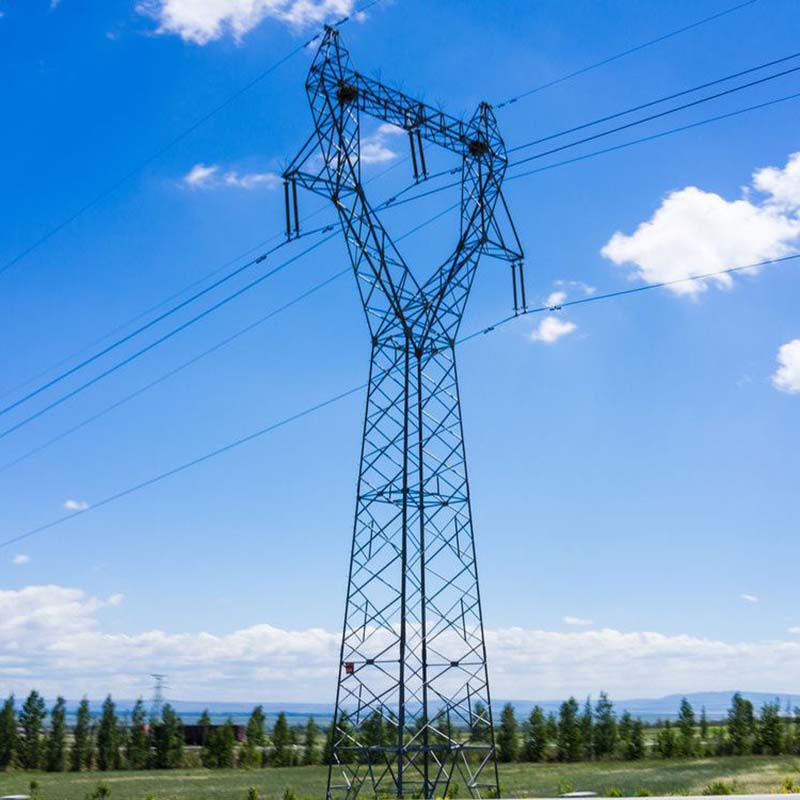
(413,712)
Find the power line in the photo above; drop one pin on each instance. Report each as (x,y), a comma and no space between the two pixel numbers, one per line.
(174,295)
(172,372)
(629,51)
(592,154)
(654,136)
(349,392)
(127,360)
(111,188)
(650,117)
(658,101)
(303,296)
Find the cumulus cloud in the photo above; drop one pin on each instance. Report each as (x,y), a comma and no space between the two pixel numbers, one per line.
(76,505)
(51,637)
(21,558)
(200,175)
(787,376)
(695,232)
(551,329)
(579,622)
(203,21)
(748,598)
(210,176)
(375,149)
(555,299)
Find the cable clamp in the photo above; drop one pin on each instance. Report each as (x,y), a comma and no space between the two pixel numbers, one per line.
(261,258)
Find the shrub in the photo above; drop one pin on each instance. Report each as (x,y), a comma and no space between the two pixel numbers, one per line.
(252,793)
(643,792)
(718,787)
(612,791)
(564,787)
(100,792)
(788,787)
(289,794)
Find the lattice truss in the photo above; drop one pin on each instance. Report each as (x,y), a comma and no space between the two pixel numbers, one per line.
(413,712)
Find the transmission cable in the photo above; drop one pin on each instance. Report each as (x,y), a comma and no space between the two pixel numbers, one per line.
(651,103)
(174,141)
(629,51)
(650,117)
(161,339)
(193,360)
(349,392)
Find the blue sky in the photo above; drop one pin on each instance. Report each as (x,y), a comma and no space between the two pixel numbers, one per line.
(633,462)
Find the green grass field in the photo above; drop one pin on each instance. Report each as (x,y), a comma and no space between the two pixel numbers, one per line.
(748,774)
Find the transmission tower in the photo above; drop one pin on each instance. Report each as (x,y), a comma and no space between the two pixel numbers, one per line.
(157,699)
(413,713)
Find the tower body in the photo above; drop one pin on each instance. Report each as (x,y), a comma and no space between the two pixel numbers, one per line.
(413,711)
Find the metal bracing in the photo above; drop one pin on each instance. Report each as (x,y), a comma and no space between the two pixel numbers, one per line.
(413,711)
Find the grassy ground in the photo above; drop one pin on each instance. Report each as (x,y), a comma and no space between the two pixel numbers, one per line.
(747,774)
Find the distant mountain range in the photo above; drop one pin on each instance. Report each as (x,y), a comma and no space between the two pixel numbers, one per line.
(649,709)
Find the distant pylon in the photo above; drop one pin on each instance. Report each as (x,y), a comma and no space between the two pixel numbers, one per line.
(413,712)
(157,698)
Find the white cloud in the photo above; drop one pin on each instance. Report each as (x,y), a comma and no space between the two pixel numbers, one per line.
(208,176)
(200,175)
(51,637)
(375,148)
(584,287)
(21,558)
(794,629)
(555,299)
(76,505)
(551,329)
(787,376)
(251,180)
(579,622)
(695,232)
(203,21)
(748,598)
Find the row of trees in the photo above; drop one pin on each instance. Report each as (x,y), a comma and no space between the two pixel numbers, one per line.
(576,733)
(26,742)
(595,732)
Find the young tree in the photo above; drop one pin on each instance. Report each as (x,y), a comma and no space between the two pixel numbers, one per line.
(310,753)
(587,730)
(31,720)
(168,740)
(635,747)
(625,730)
(666,745)
(569,734)
(108,753)
(686,722)
(372,732)
(741,725)
(536,736)
(282,754)
(703,725)
(137,746)
(222,746)
(507,744)
(81,753)
(250,754)
(552,727)
(8,734)
(605,727)
(56,755)
(770,730)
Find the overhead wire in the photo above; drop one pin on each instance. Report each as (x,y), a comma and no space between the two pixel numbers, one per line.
(227,340)
(353,390)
